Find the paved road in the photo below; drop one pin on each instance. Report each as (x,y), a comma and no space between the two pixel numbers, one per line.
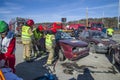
(92,67)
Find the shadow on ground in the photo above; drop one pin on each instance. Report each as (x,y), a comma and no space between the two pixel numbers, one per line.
(33,70)
(85,76)
(117,66)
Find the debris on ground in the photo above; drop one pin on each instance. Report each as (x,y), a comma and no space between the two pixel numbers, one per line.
(75,66)
(71,67)
(68,71)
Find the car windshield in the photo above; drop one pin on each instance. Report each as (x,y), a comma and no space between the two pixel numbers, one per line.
(65,36)
(98,34)
(62,35)
(94,34)
(84,34)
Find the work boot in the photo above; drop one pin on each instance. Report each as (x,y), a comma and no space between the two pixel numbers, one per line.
(49,62)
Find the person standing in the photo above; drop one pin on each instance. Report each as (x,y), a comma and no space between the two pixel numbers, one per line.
(7,45)
(38,41)
(110,32)
(27,40)
(50,45)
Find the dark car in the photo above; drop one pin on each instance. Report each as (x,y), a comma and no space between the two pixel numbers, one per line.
(97,40)
(115,54)
(70,48)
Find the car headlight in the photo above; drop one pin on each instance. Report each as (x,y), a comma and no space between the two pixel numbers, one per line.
(101,45)
(78,49)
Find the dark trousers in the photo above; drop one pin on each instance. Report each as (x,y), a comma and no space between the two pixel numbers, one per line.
(39,45)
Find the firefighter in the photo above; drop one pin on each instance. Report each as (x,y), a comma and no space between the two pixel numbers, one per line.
(38,46)
(7,45)
(27,40)
(50,45)
(110,32)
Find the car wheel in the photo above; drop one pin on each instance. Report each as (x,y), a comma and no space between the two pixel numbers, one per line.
(113,59)
(61,55)
(112,55)
(92,47)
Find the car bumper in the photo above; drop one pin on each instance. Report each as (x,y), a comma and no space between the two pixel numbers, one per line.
(101,49)
(80,54)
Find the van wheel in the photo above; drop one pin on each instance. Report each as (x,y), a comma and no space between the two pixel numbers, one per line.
(61,55)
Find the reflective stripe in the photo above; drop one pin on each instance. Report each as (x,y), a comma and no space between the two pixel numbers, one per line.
(2,77)
(48,40)
(25,34)
(49,62)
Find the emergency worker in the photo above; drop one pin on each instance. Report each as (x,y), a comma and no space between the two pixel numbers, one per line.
(50,45)
(38,34)
(5,72)
(7,45)
(27,40)
(110,32)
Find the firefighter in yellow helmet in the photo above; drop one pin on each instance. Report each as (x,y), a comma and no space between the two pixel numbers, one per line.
(26,40)
(110,32)
(50,45)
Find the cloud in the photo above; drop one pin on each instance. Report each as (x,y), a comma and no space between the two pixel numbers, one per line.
(105,6)
(10,4)
(72,11)
(44,18)
(5,12)
(9,8)
(69,10)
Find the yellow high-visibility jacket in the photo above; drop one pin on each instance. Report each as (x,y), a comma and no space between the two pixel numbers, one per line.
(110,31)
(49,39)
(25,33)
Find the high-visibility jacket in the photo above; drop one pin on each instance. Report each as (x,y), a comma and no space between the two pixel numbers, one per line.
(49,39)
(25,33)
(36,34)
(110,31)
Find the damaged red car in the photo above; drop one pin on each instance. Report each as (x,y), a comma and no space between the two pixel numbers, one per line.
(70,48)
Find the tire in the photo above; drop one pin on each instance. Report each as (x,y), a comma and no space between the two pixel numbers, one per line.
(112,53)
(61,55)
(113,59)
(92,47)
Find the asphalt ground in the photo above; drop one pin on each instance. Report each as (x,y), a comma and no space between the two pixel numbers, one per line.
(92,67)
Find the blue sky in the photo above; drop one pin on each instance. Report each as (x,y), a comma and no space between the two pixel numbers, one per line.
(54,10)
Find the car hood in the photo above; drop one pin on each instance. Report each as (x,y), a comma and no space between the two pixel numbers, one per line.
(106,41)
(74,43)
